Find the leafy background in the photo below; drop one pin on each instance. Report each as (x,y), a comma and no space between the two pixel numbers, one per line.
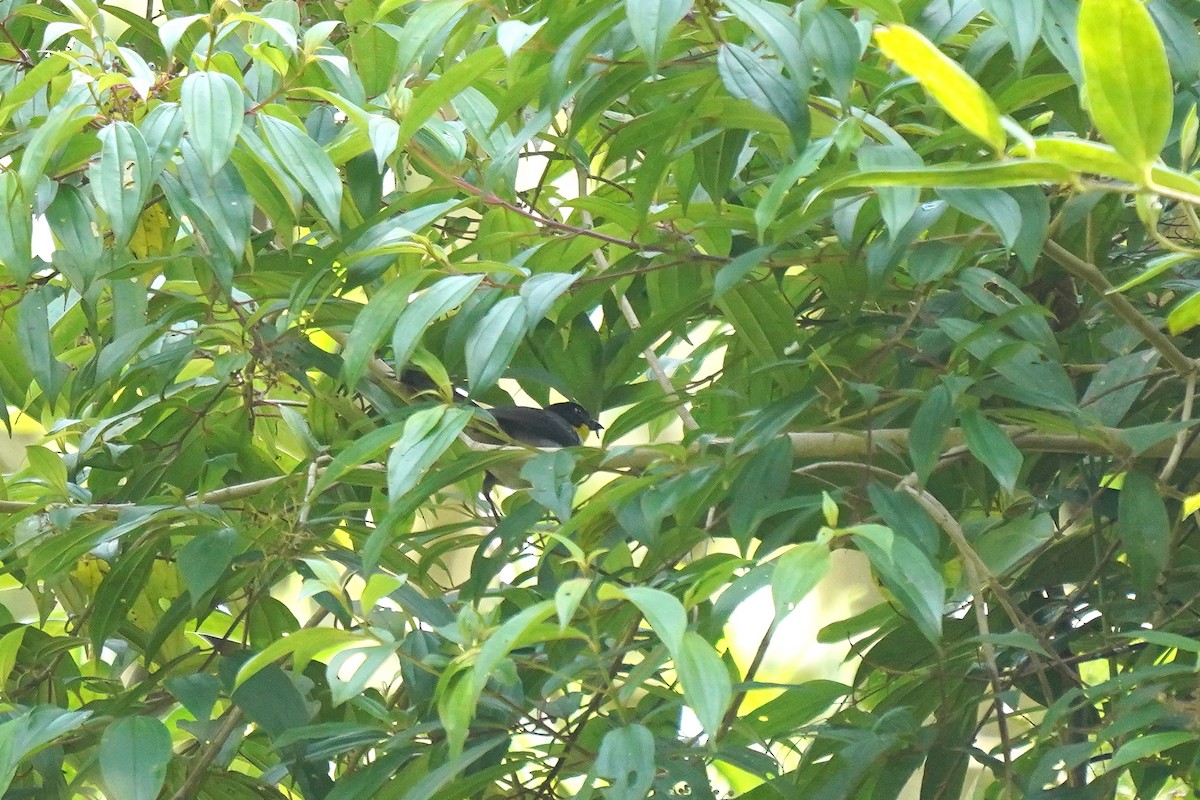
(903,284)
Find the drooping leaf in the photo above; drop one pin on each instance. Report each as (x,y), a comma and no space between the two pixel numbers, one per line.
(134,753)
(707,688)
(651,22)
(989,443)
(213,111)
(1126,79)
(626,759)
(1144,528)
(946,81)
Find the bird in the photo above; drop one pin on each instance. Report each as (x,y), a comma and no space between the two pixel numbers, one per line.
(566,424)
(557,425)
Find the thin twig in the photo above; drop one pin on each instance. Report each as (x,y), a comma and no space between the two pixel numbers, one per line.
(1181,438)
(191,786)
(656,367)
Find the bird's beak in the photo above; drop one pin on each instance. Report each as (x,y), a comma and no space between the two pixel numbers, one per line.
(587,427)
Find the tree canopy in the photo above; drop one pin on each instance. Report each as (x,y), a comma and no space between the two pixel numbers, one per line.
(908,281)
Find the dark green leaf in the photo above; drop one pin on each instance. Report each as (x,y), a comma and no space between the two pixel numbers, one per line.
(204,559)
(934,417)
(989,443)
(1144,527)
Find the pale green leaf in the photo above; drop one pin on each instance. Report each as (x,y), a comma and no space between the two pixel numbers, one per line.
(1126,80)
(134,753)
(662,611)
(946,81)
(651,22)
(626,761)
(213,107)
(493,342)
(707,688)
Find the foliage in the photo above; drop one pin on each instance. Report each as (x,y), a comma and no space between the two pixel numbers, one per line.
(849,268)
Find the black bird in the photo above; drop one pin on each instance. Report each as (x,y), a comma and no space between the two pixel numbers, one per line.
(557,425)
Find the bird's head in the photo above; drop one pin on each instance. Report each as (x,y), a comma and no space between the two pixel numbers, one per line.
(577,417)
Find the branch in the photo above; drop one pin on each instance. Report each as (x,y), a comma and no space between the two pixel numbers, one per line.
(1092,276)
(656,367)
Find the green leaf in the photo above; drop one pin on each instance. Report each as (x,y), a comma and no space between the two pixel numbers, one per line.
(31,730)
(493,342)
(906,518)
(121,179)
(932,421)
(1147,745)
(768,208)
(368,663)
(748,76)
(993,206)
(36,347)
(307,163)
(1021,21)
(213,107)
(204,559)
(781,33)
(1126,79)
(735,271)
(48,466)
(16,228)
(26,89)
(134,753)
(433,303)
(626,761)
(897,203)
(707,688)
(303,646)
(567,597)
(494,650)
(1154,267)
(10,643)
(73,221)
(118,591)
(70,115)
(651,22)
(1113,390)
(171,31)
(363,449)
(797,572)
(834,42)
(1001,174)
(374,323)
(454,80)
(662,611)
(421,29)
(907,573)
(1144,528)
(427,435)
(540,291)
(988,442)
(945,80)
(550,481)
(1184,315)
(197,692)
